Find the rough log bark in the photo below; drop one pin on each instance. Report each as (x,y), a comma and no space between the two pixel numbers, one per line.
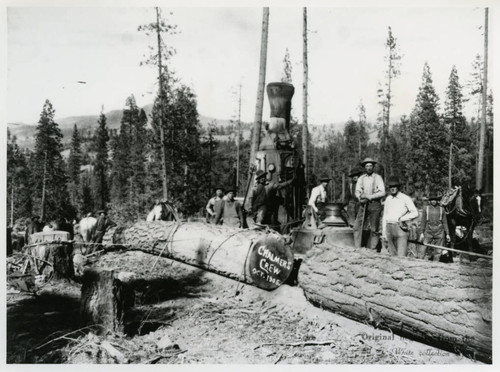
(444,305)
(251,256)
(52,260)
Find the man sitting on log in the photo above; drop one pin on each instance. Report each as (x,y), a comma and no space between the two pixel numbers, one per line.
(230,211)
(398,210)
(317,201)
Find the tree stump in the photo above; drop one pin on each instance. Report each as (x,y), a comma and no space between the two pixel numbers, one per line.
(105,301)
(444,305)
(51,255)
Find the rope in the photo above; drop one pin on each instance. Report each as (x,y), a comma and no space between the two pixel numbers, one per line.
(220,245)
(170,235)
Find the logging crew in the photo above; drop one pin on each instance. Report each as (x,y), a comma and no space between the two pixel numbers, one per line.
(258,199)
(398,210)
(33,227)
(434,228)
(210,208)
(230,211)
(369,190)
(103,222)
(351,202)
(317,201)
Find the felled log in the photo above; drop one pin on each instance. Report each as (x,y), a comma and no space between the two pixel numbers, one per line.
(444,305)
(105,300)
(251,256)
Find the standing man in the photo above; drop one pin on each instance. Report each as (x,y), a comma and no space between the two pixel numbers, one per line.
(317,201)
(369,190)
(33,227)
(230,211)
(103,222)
(258,199)
(219,194)
(434,228)
(351,202)
(398,210)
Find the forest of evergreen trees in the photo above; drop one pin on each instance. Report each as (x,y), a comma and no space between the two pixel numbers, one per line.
(432,148)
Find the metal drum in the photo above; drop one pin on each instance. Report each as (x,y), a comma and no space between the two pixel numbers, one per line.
(333,215)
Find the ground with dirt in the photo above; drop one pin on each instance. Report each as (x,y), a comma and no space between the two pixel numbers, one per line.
(184,315)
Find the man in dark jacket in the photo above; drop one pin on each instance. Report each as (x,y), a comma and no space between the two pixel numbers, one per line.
(33,227)
(103,222)
(351,202)
(258,199)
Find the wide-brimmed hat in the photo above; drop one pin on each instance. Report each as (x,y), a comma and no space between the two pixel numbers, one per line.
(393,181)
(324,178)
(368,160)
(259,174)
(434,196)
(356,172)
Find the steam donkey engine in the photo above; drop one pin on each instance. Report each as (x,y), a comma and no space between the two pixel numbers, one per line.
(278,156)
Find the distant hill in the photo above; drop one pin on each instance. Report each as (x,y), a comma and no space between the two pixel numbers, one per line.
(25,133)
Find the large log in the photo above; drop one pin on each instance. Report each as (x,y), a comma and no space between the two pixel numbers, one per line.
(445,305)
(251,256)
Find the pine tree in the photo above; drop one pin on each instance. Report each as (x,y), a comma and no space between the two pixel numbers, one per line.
(75,161)
(101,167)
(429,152)
(122,171)
(462,159)
(51,194)
(19,181)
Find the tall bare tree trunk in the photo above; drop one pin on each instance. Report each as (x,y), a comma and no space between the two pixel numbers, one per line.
(237,186)
(161,100)
(260,89)
(305,132)
(482,133)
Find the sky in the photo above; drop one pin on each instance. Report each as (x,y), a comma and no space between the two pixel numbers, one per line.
(50,49)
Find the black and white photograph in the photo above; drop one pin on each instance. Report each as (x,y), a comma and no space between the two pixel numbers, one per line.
(244,183)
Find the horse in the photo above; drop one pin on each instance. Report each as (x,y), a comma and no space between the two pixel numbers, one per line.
(464,212)
(163,211)
(87,228)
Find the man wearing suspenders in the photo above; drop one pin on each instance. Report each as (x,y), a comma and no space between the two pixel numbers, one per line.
(370,189)
(434,228)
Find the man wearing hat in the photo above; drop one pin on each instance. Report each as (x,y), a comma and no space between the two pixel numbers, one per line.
(434,227)
(398,210)
(351,202)
(210,208)
(370,190)
(33,227)
(230,211)
(258,199)
(317,200)
(103,222)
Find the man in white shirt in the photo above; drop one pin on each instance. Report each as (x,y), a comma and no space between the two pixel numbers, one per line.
(317,200)
(369,190)
(398,209)
(210,208)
